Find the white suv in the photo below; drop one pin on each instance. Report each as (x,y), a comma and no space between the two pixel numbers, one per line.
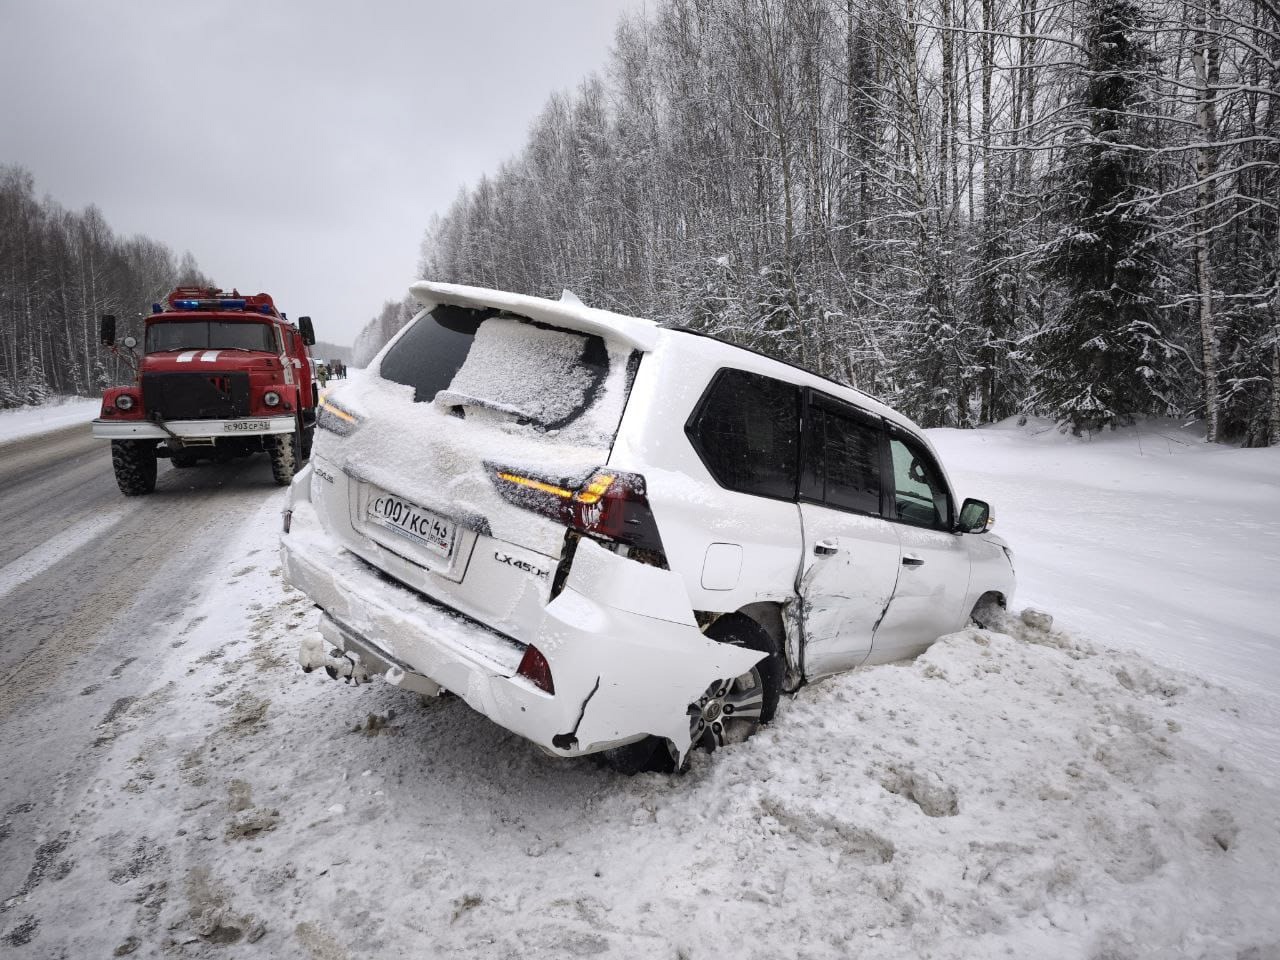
(604,534)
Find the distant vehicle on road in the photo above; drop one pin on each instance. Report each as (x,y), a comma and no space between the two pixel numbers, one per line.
(220,376)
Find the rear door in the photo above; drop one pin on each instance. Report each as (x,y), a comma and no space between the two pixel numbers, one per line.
(934,578)
(851,553)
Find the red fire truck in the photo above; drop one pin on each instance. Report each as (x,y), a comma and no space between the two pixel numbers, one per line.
(220,376)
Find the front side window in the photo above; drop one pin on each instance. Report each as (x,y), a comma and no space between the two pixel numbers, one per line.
(169,335)
(843,461)
(920,496)
(747,432)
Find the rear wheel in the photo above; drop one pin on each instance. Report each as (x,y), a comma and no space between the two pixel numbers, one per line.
(182,460)
(285,455)
(730,711)
(307,436)
(134,462)
(734,708)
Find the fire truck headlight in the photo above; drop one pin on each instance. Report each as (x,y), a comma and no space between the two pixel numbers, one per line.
(124,402)
(271,398)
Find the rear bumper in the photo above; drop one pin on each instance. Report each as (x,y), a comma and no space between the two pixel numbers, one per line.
(618,675)
(195,429)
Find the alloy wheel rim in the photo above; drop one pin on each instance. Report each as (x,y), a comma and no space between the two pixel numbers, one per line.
(729,712)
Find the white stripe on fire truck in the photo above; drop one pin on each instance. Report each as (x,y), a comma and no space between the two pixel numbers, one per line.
(210,356)
(187,356)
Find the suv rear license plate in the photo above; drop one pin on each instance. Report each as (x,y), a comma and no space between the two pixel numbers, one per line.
(411,522)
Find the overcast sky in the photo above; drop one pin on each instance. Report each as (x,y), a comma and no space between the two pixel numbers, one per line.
(293,146)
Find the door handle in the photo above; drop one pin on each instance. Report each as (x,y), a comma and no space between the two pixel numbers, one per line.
(825,548)
(912,562)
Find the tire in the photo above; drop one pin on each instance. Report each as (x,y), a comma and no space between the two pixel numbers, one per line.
(308,435)
(134,462)
(183,461)
(753,696)
(285,456)
(649,755)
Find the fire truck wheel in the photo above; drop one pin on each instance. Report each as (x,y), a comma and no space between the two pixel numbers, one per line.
(285,454)
(135,466)
(307,435)
(182,460)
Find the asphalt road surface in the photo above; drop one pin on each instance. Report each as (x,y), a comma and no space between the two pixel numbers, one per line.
(88,580)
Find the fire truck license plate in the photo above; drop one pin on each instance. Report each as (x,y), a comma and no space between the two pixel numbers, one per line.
(411,522)
(243,425)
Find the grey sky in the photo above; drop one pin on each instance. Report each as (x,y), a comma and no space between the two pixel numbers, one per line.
(295,146)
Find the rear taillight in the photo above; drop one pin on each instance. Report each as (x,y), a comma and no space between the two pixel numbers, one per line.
(608,505)
(535,669)
(331,417)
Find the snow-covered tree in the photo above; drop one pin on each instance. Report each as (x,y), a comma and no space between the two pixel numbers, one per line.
(1104,358)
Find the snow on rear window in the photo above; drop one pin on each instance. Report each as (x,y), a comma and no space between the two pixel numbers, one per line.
(545,377)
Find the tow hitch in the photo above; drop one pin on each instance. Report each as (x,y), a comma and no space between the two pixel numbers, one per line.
(338,664)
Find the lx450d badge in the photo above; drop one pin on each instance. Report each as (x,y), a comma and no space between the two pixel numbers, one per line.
(519,564)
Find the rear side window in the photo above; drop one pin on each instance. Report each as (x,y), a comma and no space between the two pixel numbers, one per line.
(747,432)
(432,350)
(843,461)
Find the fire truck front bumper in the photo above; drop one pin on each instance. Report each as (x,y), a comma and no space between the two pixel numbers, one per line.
(194,430)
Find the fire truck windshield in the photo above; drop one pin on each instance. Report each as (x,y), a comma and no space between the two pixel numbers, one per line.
(210,335)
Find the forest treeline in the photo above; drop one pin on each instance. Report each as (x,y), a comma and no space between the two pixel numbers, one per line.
(971,208)
(60,270)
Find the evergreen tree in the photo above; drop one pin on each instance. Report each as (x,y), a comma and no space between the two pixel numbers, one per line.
(1104,358)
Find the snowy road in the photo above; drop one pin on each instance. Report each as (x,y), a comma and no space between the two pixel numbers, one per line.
(173,786)
(88,579)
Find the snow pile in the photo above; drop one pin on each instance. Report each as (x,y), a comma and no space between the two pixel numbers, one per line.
(63,412)
(1028,795)
(1147,538)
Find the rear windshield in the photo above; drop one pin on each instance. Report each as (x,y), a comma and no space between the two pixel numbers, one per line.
(210,335)
(480,363)
(430,352)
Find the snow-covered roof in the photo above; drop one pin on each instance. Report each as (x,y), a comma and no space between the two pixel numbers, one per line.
(569,313)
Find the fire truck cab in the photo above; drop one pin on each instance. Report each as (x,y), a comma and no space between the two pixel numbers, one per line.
(219,376)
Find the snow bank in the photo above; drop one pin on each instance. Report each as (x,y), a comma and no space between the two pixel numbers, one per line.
(1149,539)
(29,421)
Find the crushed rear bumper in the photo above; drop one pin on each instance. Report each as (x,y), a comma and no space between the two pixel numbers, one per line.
(619,674)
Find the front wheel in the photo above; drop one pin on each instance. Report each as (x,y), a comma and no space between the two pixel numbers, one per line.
(134,462)
(285,457)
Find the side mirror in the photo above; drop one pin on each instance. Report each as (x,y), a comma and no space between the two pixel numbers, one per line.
(107,330)
(975,516)
(130,342)
(308,331)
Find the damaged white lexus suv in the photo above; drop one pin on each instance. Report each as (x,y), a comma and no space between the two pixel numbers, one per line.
(610,536)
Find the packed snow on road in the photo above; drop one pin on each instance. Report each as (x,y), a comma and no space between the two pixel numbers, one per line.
(1091,776)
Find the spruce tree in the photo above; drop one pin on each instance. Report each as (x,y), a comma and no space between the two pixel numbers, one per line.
(1104,358)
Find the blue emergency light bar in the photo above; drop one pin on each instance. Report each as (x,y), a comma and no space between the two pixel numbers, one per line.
(209,304)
